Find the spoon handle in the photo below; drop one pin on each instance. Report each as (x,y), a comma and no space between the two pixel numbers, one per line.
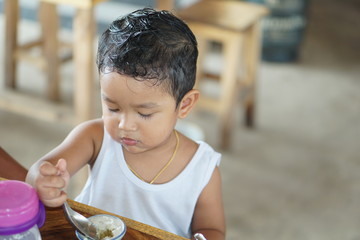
(199,236)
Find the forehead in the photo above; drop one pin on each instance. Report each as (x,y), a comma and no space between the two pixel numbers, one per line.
(112,82)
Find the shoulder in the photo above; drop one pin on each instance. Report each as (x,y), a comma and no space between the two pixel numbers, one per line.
(94,123)
(187,149)
(88,132)
(197,149)
(205,151)
(93,127)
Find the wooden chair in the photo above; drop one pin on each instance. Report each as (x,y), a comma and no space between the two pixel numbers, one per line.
(235,26)
(50,61)
(165,4)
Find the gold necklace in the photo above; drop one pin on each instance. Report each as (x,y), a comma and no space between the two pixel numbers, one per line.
(165,167)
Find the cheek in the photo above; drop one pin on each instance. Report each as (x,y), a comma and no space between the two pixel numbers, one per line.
(154,136)
(110,123)
(157,131)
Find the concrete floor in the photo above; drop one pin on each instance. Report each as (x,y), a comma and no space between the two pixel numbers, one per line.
(296,176)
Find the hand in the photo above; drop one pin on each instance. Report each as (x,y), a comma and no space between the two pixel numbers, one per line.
(51,181)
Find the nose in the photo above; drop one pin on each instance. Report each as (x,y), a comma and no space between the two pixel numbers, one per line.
(126,123)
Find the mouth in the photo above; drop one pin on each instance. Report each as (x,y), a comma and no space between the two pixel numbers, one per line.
(128,141)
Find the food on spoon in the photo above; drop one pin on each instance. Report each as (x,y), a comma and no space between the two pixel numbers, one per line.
(103,234)
(108,227)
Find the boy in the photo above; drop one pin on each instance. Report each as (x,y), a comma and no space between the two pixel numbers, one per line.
(142,168)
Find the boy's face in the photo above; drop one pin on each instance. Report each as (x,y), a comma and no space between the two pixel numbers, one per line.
(136,114)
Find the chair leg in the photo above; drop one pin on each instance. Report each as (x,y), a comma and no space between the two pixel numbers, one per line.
(50,25)
(202,49)
(229,89)
(11,11)
(251,58)
(84,29)
(225,137)
(165,4)
(250,112)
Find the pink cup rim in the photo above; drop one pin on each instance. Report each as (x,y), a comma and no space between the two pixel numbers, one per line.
(20,206)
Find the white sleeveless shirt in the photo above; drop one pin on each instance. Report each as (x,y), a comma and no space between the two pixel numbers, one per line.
(112,187)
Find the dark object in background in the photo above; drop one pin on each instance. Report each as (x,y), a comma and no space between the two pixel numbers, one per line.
(283,29)
(10,168)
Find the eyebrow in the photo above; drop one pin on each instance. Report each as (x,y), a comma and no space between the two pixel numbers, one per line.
(147,105)
(107,99)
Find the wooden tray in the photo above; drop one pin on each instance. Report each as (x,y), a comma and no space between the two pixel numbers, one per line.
(57,226)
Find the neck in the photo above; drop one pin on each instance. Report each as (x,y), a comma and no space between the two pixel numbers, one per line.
(140,169)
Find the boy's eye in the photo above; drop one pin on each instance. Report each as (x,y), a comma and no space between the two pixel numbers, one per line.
(145,116)
(113,109)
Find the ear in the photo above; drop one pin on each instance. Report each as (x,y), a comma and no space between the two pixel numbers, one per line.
(188,102)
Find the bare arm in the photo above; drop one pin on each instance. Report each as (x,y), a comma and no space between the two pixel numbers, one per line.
(209,216)
(50,175)
(10,168)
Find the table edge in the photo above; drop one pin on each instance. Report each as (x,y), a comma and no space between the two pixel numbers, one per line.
(142,227)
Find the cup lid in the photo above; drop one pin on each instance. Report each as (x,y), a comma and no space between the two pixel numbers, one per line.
(19,203)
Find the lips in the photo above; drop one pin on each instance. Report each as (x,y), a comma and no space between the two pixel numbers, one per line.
(129,141)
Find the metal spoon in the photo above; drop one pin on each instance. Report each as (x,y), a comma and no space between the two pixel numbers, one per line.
(199,236)
(80,222)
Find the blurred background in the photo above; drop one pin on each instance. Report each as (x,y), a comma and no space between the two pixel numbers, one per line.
(296,174)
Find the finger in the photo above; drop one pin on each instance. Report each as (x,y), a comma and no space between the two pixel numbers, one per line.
(46,169)
(62,169)
(55,202)
(52,181)
(61,166)
(48,193)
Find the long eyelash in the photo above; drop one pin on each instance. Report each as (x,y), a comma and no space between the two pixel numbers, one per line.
(145,116)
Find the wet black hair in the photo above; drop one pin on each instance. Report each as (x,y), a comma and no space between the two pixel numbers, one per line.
(151,45)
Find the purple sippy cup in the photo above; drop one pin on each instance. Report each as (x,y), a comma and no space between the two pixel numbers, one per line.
(21,211)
